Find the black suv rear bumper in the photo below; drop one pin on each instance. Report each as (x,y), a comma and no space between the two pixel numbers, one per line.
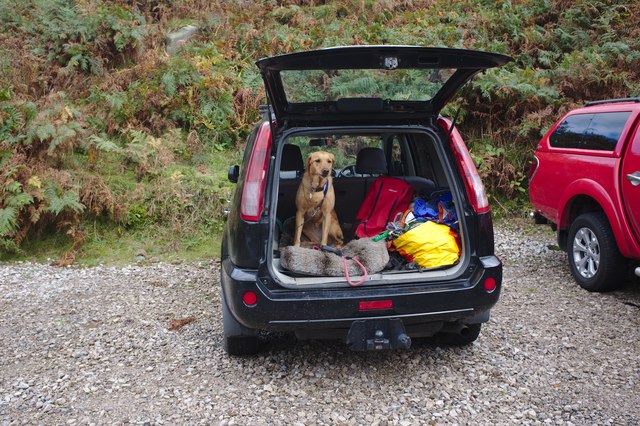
(463,300)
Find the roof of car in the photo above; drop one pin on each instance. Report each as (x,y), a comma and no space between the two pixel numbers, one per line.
(612,101)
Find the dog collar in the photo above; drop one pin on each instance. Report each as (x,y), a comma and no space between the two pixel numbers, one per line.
(324,192)
(324,188)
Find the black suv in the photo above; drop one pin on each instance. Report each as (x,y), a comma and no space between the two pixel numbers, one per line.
(348,100)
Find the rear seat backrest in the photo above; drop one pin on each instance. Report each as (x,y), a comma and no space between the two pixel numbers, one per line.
(292,159)
(423,187)
(351,190)
(371,161)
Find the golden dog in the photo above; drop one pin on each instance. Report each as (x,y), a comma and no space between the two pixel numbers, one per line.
(315,202)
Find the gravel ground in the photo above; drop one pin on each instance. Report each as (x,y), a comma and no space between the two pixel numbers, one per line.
(96,345)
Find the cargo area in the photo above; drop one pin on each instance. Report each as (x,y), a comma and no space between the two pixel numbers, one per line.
(363,163)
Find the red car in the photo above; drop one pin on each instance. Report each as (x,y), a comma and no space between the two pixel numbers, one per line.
(585,180)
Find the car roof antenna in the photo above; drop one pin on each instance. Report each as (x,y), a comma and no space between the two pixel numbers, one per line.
(453,122)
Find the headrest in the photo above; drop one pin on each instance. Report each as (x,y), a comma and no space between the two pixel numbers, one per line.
(371,161)
(291,158)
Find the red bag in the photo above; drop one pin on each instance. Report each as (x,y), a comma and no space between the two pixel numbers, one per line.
(387,197)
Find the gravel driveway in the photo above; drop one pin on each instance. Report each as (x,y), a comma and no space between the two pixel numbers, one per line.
(142,345)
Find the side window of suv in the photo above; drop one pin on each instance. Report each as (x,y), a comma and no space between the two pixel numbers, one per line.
(604,131)
(599,132)
(569,133)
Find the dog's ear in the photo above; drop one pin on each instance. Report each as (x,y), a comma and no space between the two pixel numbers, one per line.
(308,167)
(333,159)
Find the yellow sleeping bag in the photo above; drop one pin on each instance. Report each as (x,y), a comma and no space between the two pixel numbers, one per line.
(429,245)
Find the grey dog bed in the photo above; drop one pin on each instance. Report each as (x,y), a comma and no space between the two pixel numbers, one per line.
(372,254)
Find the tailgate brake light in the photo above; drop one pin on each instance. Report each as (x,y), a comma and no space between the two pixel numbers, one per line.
(252,201)
(475,188)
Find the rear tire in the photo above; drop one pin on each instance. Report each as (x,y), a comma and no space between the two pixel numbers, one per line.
(241,345)
(594,259)
(238,339)
(466,336)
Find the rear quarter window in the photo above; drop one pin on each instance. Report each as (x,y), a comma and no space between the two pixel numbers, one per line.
(599,132)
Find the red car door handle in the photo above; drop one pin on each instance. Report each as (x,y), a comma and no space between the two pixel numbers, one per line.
(634,178)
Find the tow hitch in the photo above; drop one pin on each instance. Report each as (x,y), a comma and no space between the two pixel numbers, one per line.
(377,335)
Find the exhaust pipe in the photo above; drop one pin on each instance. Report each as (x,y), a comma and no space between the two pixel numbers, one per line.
(637,271)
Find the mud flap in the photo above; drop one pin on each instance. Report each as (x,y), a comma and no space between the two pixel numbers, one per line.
(377,335)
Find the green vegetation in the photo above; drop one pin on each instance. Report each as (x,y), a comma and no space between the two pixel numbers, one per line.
(109,146)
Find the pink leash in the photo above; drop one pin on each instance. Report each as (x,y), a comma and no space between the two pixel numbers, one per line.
(346,271)
(338,252)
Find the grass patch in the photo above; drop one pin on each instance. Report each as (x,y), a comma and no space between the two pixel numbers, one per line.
(40,249)
(117,246)
(148,245)
(174,216)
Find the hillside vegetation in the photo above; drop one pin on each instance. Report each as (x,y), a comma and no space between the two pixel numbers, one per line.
(107,140)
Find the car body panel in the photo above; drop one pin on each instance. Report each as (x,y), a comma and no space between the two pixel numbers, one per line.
(565,175)
(245,267)
(425,300)
(611,205)
(467,63)
(631,192)
(449,300)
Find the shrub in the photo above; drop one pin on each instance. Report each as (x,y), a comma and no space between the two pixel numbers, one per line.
(85,40)
(97,122)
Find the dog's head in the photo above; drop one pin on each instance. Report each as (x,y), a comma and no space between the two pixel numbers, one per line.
(320,163)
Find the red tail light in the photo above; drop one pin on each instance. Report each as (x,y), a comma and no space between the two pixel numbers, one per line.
(252,201)
(490,284)
(475,188)
(250,298)
(375,305)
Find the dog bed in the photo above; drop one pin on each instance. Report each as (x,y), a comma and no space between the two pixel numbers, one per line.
(372,254)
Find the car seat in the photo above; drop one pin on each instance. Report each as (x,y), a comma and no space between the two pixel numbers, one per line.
(292,159)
